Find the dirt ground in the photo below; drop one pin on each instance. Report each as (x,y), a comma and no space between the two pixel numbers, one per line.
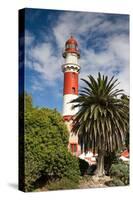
(87,182)
(94,182)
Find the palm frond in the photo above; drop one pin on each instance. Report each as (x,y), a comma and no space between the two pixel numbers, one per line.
(102,119)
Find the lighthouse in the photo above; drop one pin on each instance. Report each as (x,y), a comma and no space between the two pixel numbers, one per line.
(71,70)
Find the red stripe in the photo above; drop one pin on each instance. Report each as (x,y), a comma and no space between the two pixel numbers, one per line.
(67,117)
(71,83)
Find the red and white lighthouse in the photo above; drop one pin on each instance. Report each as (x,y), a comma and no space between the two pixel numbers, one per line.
(71,70)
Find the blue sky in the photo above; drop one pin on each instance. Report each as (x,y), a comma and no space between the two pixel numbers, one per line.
(103,42)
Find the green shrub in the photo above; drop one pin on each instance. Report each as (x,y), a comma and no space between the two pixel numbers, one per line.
(120,171)
(61,184)
(109,159)
(45,148)
(115,182)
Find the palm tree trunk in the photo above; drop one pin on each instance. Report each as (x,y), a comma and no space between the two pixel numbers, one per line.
(100,164)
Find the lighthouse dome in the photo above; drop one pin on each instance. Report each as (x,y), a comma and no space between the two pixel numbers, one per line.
(71,42)
(71,46)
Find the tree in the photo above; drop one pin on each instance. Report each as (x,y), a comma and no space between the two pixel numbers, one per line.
(102,119)
(125,100)
(45,148)
(120,174)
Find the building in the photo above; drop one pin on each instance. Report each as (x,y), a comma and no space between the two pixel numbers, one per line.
(71,70)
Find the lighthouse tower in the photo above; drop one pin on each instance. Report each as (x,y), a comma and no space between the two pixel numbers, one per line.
(71,70)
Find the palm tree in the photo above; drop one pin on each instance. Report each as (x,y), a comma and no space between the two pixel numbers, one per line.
(102,119)
(125,100)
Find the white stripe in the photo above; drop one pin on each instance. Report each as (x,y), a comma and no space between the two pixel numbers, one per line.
(67,106)
(71,58)
(70,67)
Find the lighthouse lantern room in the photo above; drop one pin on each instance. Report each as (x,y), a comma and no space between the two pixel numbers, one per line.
(71,71)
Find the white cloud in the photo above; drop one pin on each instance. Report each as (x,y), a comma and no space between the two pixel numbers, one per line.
(75,24)
(113,54)
(45,62)
(29,38)
(119,45)
(113,60)
(37,86)
(111,27)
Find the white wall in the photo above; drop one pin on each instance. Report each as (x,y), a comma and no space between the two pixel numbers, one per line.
(71,58)
(67,106)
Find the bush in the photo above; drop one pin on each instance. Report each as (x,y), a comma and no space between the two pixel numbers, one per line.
(46,152)
(64,183)
(120,173)
(115,182)
(83,166)
(109,159)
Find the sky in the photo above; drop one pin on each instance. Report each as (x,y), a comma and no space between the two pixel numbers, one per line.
(103,41)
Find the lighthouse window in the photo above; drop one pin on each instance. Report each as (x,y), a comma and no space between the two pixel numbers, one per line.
(73,148)
(70,46)
(73,90)
(73,75)
(73,46)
